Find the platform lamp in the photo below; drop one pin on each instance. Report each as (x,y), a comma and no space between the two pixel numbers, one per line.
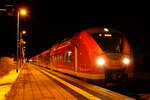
(23,32)
(20,12)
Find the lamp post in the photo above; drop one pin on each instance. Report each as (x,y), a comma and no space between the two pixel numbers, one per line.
(23,54)
(20,12)
(21,46)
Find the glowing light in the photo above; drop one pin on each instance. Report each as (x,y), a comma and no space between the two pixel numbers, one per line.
(30,60)
(3,9)
(24,32)
(23,11)
(100,61)
(126,61)
(69,53)
(24,42)
(100,34)
(108,35)
(106,29)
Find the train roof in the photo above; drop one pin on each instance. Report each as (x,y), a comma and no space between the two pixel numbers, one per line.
(101,29)
(90,31)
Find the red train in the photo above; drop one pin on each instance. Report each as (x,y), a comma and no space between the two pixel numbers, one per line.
(94,53)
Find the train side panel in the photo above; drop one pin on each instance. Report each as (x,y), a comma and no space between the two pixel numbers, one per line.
(88,52)
(62,56)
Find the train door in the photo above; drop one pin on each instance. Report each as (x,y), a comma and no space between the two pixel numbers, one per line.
(76,58)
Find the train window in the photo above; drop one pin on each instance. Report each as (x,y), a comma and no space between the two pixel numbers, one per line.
(60,58)
(47,57)
(111,43)
(40,58)
(54,59)
(51,59)
(65,57)
(69,56)
(57,58)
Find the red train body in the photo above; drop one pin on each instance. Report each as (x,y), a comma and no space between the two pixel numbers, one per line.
(95,53)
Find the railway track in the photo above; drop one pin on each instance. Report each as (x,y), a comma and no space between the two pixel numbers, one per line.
(97,91)
(133,88)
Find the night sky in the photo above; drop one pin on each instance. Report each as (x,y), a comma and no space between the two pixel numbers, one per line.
(49,23)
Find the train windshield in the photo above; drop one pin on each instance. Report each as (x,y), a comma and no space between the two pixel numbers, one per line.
(111,43)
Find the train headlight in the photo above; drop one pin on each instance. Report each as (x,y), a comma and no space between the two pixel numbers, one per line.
(100,61)
(126,61)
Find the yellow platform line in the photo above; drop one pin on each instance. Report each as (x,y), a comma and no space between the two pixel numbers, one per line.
(78,90)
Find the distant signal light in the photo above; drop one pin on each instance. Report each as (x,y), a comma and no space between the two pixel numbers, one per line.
(100,34)
(3,9)
(108,35)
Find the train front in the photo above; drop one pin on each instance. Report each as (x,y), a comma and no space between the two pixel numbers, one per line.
(117,56)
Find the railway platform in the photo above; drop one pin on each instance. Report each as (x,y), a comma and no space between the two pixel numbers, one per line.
(34,83)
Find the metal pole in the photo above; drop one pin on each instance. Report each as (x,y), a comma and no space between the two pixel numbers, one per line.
(17,39)
(21,49)
(23,55)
